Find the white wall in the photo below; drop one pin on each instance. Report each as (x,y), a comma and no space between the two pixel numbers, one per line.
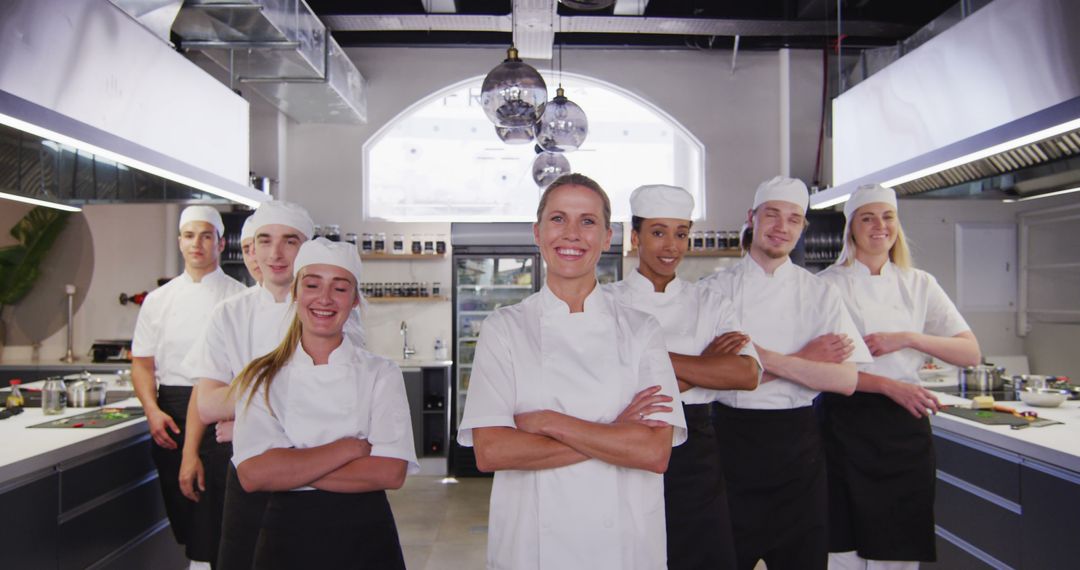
(930,226)
(129,249)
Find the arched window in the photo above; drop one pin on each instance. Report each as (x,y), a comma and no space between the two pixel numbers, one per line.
(440,159)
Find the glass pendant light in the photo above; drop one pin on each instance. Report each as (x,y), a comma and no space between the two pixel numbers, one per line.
(515,135)
(587,4)
(563,125)
(512,92)
(547,166)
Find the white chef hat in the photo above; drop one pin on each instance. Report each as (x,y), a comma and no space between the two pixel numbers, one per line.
(247,231)
(869,194)
(321,250)
(202,214)
(661,201)
(782,188)
(286,214)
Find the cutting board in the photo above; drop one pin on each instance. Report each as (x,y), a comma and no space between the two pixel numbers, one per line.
(993,418)
(95,419)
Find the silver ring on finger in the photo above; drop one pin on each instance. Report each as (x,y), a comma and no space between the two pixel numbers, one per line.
(641,415)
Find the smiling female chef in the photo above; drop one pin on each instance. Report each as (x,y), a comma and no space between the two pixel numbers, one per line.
(324,425)
(877,441)
(563,406)
(708,354)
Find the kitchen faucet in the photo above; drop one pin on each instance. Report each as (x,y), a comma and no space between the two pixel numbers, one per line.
(406,350)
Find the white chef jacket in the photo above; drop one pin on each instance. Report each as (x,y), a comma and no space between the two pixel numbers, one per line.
(690,316)
(243,328)
(897,300)
(538,355)
(171,319)
(356,394)
(782,312)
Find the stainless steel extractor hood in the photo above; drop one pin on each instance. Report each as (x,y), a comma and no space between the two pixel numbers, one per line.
(280,49)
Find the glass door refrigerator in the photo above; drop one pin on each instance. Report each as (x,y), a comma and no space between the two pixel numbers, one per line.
(495,265)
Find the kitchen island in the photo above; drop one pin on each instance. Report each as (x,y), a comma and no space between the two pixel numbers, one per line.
(1007,498)
(82,497)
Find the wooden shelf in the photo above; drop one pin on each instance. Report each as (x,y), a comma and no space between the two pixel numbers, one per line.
(401,257)
(729,252)
(432,299)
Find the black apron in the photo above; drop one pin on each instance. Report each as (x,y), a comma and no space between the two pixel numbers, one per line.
(173,400)
(774,467)
(881,478)
(695,499)
(208,512)
(320,529)
(240,524)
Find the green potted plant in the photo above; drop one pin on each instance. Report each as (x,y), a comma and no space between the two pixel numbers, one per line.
(20,264)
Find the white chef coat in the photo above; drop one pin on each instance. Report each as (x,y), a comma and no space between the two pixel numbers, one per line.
(538,355)
(897,300)
(243,328)
(171,319)
(690,316)
(782,312)
(356,394)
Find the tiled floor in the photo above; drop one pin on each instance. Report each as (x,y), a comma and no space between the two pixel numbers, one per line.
(442,527)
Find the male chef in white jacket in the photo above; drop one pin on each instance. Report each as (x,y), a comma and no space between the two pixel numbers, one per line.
(769,440)
(171,318)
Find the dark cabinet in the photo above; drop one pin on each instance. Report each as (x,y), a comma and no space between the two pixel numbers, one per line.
(30,507)
(1051,516)
(428,391)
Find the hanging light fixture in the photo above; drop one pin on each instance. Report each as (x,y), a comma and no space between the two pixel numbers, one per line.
(515,135)
(587,4)
(563,125)
(547,166)
(512,92)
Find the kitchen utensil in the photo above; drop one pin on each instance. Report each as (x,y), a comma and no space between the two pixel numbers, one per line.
(981,378)
(1033,381)
(997,418)
(86,393)
(1042,397)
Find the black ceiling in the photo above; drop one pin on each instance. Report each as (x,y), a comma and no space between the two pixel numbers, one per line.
(905,18)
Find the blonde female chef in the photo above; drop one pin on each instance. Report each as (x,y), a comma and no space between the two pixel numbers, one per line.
(708,354)
(566,406)
(878,445)
(324,426)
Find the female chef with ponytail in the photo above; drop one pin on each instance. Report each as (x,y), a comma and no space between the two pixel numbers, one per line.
(324,425)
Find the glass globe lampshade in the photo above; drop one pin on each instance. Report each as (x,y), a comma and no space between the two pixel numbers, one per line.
(515,135)
(563,125)
(587,4)
(547,166)
(512,92)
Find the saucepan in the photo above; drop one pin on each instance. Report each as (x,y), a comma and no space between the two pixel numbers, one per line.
(86,393)
(981,378)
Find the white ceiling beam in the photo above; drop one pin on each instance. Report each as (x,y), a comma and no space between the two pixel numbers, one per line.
(534,27)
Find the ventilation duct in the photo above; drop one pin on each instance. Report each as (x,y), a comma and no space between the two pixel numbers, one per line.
(280,49)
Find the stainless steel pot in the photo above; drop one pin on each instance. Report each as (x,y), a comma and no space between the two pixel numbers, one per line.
(86,393)
(982,378)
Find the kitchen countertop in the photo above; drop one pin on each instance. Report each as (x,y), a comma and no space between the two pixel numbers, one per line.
(26,451)
(1057,445)
(55,364)
(414,364)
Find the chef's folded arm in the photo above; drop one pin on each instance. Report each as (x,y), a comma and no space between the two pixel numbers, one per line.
(717,371)
(961,349)
(630,444)
(499,448)
(840,378)
(215,402)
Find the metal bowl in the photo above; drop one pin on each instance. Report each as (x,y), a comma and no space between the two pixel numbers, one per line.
(1043,397)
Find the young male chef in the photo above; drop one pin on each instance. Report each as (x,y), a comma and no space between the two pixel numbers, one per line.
(770,445)
(240,329)
(247,249)
(696,324)
(169,321)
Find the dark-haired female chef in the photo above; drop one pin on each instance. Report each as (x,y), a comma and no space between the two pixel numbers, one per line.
(324,426)
(708,354)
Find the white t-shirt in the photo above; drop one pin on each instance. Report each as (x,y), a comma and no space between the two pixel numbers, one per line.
(243,328)
(537,355)
(172,318)
(690,316)
(897,300)
(356,394)
(782,312)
